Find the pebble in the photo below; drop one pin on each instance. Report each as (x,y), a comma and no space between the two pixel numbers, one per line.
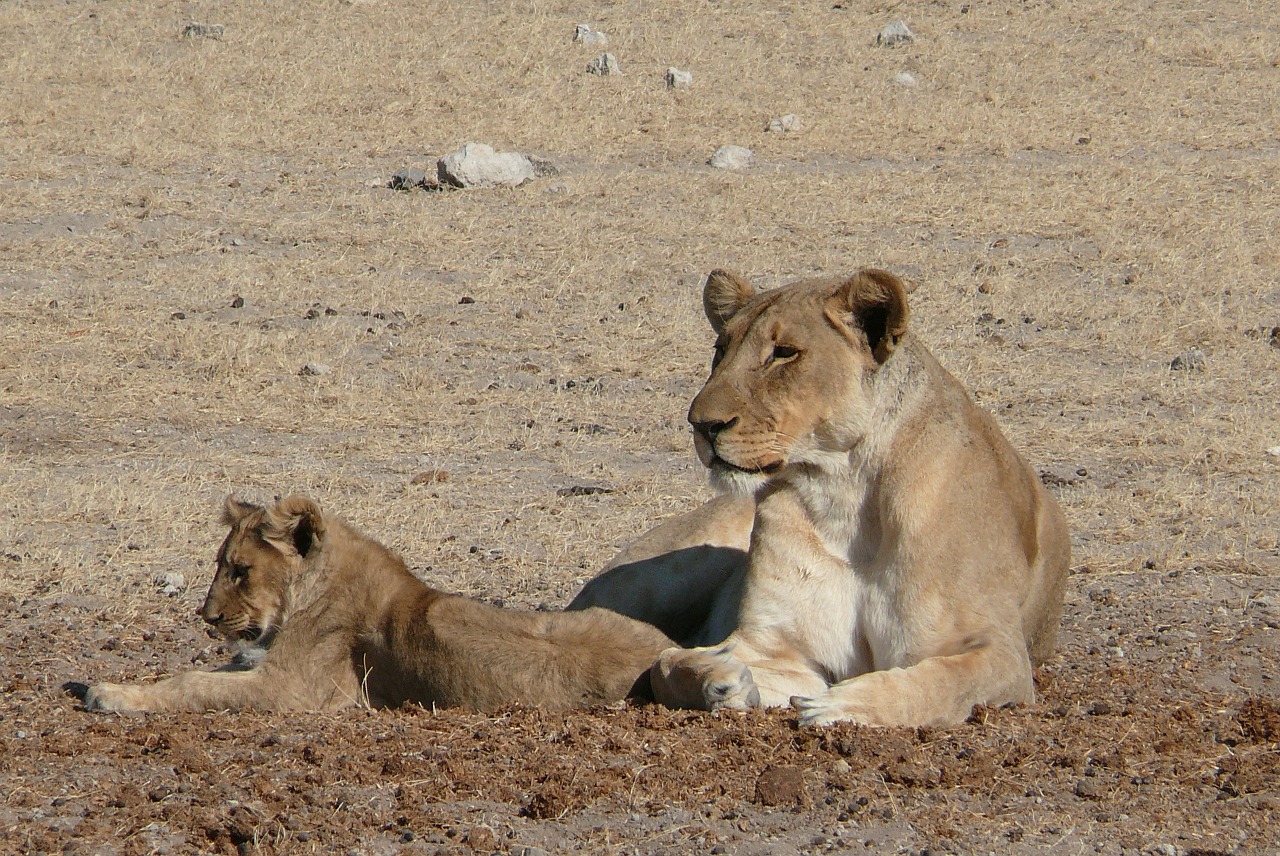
(905,78)
(478,165)
(314,370)
(897,33)
(605,65)
(785,124)
(408,178)
(1192,361)
(731,157)
(677,79)
(203,31)
(171,583)
(1274,451)
(584,35)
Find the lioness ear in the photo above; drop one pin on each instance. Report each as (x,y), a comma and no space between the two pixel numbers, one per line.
(294,522)
(724,294)
(233,510)
(878,302)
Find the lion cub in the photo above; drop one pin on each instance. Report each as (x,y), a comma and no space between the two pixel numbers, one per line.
(344,622)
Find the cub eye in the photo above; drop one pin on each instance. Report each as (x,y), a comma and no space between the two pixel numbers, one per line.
(239,572)
(783,353)
(717,355)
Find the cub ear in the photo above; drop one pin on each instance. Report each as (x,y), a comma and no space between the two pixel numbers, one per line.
(724,294)
(877,300)
(233,510)
(294,524)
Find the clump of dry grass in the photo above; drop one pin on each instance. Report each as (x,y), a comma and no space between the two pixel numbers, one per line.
(1096,180)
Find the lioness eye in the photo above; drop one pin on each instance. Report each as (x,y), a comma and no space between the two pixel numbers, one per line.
(717,355)
(239,572)
(783,352)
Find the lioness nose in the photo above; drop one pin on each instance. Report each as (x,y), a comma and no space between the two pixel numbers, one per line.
(711,428)
(209,615)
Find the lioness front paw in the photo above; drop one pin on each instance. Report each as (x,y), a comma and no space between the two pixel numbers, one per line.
(825,710)
(113,697)
(703,679)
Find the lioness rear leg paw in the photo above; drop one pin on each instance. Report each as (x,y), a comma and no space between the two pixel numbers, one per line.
(703,679)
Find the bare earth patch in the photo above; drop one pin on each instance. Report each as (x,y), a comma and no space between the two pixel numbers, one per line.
(208,286)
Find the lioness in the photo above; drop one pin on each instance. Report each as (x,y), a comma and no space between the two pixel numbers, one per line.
(344,622)
(903,562)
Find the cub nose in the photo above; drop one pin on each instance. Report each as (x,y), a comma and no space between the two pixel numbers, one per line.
(207,613)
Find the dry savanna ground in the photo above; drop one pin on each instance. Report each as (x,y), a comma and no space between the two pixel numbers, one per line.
(1084,192)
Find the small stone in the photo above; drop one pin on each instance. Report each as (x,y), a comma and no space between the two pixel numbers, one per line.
(478,165)
(171,583)
(237,302)
(905,78)
(480,839)
(584,35)
(1274,451)
(583,490)
(430,477)
(466,300)
(897,33)
(731,157)
(677,79)
(203,31)
(1192,361)
(408,179)
(605,65)
(179,316)
(314,370)
(1087,789)
(786,124)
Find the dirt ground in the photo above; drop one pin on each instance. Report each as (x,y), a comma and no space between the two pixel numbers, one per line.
(207,286)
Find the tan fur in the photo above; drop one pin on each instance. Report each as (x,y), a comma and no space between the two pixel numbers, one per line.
(345,623)
(904,563)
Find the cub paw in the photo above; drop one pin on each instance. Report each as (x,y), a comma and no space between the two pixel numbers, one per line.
(112,697)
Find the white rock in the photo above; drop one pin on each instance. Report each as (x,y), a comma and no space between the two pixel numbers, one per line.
(478,165)
(787,124)
(171,583)
(314,370)
(1274,451)
(677,79)
(1192,361)
(583,34)
(905,78)
(897,33)
(731,157)
(604,65)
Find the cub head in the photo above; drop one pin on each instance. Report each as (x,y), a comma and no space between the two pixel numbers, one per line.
(249,598)
(789,380)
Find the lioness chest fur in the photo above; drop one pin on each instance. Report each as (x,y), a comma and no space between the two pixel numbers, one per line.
(344,622)
(903,563)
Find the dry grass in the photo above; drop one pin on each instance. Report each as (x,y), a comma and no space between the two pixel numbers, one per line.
(1106,173)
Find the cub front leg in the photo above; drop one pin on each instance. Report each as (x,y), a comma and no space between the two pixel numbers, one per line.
(731,676)
(195,691)
(937,691)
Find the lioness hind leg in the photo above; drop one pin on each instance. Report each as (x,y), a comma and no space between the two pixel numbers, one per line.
(937,691)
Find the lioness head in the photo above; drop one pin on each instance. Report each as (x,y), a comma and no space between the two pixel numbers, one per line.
(788,382)
(248,599)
